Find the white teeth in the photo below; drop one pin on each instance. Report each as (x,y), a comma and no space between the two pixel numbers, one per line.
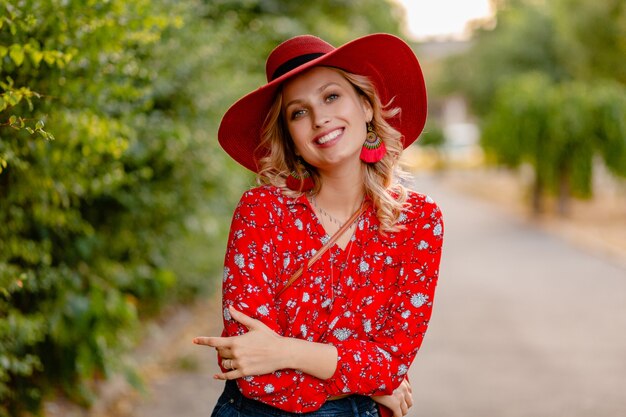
(332,135)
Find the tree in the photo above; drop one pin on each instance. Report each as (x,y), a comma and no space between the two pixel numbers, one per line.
(522,41)
(541,80)
(86,212)
(559,129)
(590,37)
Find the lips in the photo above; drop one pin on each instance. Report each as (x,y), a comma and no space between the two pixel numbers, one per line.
(324,139)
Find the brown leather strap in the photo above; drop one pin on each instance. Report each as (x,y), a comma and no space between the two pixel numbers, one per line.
(323,249)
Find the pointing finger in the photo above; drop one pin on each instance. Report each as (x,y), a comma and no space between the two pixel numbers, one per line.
(216,342)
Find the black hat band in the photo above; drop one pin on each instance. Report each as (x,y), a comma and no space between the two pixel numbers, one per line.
(294,63)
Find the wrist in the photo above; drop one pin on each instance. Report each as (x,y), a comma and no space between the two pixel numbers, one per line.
(286,351)
(313,358)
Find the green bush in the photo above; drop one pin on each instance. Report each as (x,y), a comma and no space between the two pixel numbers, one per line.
(559,130)
(101,177)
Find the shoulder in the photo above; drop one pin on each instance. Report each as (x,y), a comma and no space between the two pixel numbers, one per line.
(265,211)
(417,202)
(266,195)
(265,200)
(421,211)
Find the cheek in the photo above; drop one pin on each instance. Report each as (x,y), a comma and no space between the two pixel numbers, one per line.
(298,134)
(360,114)
(362,132)
(359,119)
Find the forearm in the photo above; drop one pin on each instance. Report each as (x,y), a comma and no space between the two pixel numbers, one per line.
(316,359)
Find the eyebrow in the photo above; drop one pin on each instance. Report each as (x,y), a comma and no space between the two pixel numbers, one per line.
(319,90)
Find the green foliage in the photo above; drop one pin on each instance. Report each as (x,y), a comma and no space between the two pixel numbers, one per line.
(521,42)
(548,82)
(432,136)
(516,127)
(563,39)
(127,208)
(590,37)
(88,221)
(607,109)
(558,129)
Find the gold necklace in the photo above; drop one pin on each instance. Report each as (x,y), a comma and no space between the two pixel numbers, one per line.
(331,218)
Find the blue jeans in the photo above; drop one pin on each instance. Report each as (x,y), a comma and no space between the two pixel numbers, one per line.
(233,404)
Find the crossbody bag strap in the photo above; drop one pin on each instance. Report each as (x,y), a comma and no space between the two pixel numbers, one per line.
(323,249)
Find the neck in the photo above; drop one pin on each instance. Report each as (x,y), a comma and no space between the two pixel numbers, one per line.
(342,192)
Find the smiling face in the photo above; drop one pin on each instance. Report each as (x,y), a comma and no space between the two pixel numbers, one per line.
(326,118)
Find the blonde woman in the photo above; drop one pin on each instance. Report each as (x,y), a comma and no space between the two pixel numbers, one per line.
(331,264)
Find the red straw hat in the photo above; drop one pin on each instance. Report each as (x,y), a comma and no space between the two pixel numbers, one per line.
(386,59)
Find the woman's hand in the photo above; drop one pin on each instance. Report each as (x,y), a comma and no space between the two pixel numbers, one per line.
(399,401)
(256,352)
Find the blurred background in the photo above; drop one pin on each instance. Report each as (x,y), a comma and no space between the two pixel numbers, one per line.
(115,198)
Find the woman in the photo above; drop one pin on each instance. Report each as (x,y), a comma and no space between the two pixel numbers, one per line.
(325,135)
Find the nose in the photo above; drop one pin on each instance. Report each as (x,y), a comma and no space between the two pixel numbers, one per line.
(320,119)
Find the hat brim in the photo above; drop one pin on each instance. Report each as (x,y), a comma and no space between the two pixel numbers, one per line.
(386,59)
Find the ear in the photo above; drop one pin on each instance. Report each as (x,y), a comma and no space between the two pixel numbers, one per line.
(367,109)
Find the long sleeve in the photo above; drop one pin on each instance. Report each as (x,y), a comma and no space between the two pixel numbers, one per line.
(377,365)
(252,264)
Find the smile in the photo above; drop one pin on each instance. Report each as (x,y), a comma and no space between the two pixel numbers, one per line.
(329,136)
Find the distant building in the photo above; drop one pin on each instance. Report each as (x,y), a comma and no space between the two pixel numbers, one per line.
(450,113)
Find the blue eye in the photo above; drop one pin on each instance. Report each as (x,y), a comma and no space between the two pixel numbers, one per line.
(332,97)
(297,114)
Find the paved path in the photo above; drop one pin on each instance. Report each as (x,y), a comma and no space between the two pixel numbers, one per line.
(524,324)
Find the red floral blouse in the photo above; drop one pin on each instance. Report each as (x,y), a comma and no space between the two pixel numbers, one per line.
(371,300)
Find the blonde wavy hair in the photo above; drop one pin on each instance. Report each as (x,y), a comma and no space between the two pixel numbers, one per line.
(381,178)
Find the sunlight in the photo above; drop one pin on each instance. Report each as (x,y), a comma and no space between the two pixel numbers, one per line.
(442,18)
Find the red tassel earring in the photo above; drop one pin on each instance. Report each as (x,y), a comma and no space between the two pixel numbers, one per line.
(300,179)
(373,148)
